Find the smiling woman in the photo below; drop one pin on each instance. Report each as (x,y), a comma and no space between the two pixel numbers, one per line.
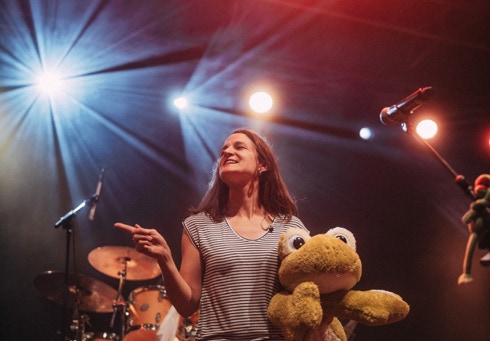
(239,161)
(230,235)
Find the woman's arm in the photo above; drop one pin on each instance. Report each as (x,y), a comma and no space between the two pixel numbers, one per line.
(183,287)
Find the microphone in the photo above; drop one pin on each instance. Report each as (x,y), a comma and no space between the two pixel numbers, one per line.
(399,113)
(95,198)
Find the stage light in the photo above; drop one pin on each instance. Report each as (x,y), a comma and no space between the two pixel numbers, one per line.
(181,102)
(426,129)
(365,133)
(260,102)
(49,83)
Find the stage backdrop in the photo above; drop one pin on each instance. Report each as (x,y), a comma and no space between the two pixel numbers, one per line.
(331,67)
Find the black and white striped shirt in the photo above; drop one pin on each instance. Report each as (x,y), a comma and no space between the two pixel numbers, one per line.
(240,278)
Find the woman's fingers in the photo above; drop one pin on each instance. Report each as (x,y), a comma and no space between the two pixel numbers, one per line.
(143,238)
(125,227)
(136,230)
(146,241)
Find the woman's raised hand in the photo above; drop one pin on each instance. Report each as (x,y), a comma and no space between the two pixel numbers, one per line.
(147,241)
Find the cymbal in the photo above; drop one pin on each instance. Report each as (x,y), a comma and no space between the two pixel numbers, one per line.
(94,296)
(110,260)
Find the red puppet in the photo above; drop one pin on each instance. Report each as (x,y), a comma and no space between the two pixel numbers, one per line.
(478,220)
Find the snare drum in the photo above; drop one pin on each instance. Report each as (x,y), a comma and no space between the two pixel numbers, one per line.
(148,306)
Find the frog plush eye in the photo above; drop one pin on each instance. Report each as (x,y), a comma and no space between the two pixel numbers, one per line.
(292,240)
(295,242)
(342,238)
(344,235)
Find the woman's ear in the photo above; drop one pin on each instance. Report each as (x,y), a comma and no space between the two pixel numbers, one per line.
(263,168)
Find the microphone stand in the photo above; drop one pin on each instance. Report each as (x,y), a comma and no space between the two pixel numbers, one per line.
(66,222)
(458,178)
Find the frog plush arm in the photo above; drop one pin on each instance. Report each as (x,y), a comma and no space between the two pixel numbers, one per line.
(298,312)
(370,307)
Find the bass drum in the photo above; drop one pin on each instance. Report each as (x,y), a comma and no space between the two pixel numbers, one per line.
(148,306)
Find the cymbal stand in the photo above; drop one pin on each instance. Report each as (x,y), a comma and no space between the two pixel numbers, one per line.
(76,330)
(120,304)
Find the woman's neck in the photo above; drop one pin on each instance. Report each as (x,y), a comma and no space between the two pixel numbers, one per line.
(241,203)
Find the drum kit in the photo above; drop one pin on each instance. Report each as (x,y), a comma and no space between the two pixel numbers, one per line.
(139,318)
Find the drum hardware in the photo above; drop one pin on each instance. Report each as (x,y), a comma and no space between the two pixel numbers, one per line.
(124,263)
(111,260)
(120,306)
(140,320)
(84,294)
(100,336)
(187,327)
(77,327)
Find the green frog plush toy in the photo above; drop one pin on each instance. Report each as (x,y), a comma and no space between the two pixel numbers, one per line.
(317,274)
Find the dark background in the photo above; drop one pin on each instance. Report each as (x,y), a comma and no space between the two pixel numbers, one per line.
(333,65)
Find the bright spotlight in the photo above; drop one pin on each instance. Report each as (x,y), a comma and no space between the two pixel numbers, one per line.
(426,129)
(49,83)
(260,102)
(366,133)
(181,102)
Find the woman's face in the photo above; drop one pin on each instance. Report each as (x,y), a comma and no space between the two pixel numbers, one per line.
(238,160)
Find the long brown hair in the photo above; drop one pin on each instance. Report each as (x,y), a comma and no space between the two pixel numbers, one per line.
(273,193)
